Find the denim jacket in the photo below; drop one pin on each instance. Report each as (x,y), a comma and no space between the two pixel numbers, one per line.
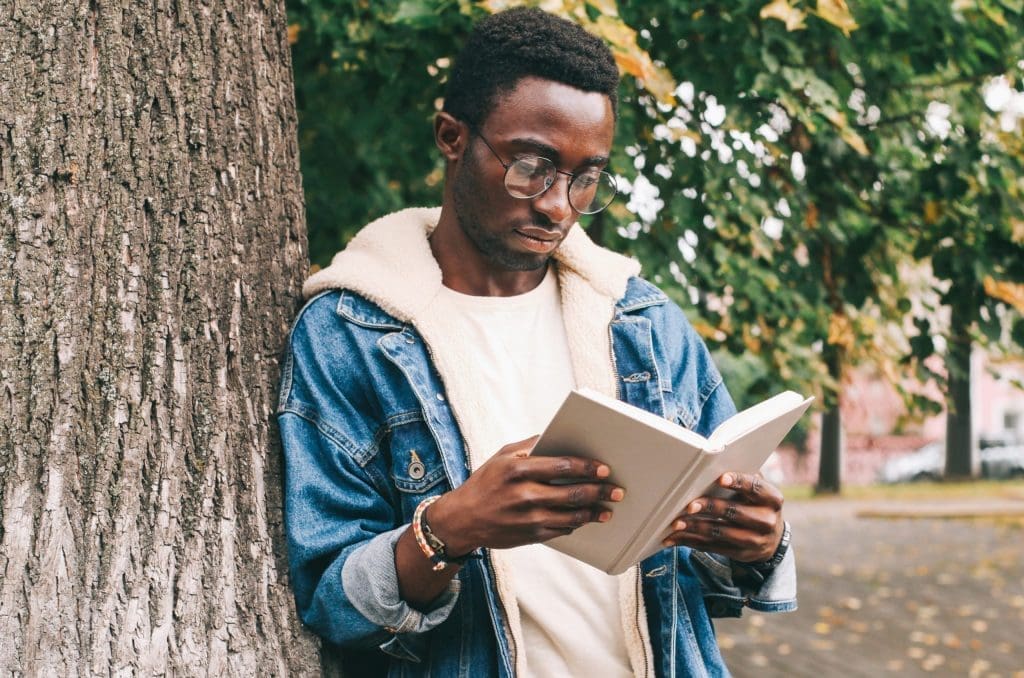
(361,394)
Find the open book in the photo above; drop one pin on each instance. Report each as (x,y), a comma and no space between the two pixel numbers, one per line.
(661,465)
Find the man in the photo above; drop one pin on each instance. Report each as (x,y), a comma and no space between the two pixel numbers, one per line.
(434,349)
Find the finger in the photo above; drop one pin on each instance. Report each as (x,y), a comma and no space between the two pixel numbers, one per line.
(565,469)
(519,448)
(758,518)
(569,497)
(572,519)
(712,535)
(752,488)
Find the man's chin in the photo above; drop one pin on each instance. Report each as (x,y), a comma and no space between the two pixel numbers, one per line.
(522,262)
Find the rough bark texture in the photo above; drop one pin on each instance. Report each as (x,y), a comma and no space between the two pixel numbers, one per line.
(151,249)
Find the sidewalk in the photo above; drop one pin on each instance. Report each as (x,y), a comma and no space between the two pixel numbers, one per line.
(1009,506)
(895,588)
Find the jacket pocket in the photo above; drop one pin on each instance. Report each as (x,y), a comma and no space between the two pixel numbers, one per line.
(416,465)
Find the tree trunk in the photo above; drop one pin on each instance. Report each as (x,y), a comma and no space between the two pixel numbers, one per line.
(961,460)
(830,463)
(151,252)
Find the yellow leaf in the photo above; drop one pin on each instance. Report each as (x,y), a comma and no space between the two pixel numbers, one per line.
(616,32)
(1011,293)
(606,7)
(1017,231)
(932,212)
(557,7)
(630,62)
(852,139)
(786,13)
(661,84)
(752,343)
(838,14)
(994,14)
(657,80)
(293,33)
(708,331)
(840,331)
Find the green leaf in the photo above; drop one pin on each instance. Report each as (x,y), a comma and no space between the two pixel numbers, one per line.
(415,12)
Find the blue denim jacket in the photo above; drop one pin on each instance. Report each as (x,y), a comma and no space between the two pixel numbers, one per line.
(359,392)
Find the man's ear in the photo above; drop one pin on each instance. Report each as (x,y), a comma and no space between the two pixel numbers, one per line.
(450,135)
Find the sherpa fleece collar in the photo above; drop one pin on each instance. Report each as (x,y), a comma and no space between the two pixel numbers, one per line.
(390,263)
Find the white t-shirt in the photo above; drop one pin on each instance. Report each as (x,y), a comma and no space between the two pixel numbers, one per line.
(570,611)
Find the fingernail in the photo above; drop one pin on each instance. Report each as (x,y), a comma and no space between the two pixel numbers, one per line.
(727,479)
(667,542)
(679,526)
(617,494)
(603,471)
(604,517)
(695,507)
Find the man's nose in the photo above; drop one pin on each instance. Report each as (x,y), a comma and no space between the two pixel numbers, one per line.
(554,202)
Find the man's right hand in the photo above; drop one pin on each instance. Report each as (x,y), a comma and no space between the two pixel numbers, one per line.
(516,499)
(512,500)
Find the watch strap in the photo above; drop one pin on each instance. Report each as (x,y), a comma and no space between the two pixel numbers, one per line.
(780,552)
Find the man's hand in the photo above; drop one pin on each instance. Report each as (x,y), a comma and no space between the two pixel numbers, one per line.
(517,499)
(746,527)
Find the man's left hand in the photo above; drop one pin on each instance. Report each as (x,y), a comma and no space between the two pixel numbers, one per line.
(746,527)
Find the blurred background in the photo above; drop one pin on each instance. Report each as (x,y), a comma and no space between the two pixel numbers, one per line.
(834,193)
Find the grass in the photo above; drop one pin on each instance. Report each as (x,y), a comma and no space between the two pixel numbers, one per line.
(931,492)
(977,489)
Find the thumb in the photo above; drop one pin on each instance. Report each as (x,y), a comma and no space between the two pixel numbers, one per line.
(520,448)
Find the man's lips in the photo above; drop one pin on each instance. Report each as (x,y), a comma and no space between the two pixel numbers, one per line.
(538,240)
(538,233)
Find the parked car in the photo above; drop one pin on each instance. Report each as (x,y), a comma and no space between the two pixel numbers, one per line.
(1006,461)
(928,463)
(925,463)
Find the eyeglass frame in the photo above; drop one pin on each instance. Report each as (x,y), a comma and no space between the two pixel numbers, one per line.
(568,189)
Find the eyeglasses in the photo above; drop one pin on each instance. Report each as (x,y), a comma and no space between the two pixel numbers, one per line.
(528,176)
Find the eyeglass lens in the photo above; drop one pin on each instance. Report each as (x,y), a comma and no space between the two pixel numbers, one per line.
(589,192)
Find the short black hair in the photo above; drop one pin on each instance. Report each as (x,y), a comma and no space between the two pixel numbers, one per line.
(521,42)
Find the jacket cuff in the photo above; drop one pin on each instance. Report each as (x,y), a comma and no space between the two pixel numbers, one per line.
(370,581)
(729,585)
(777,592)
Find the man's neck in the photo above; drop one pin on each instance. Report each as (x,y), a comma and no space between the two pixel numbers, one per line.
(470,275)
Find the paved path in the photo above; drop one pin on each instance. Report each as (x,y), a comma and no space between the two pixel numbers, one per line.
(900,595)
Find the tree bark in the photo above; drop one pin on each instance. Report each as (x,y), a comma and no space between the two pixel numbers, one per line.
(151,253)
(830,463)
(961,459)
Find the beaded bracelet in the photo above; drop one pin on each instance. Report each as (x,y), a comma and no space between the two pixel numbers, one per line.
(431,545)
(417,531)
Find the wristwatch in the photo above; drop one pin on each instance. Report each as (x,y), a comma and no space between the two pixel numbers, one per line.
(780,552)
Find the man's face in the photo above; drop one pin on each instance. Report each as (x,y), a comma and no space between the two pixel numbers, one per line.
(570,127)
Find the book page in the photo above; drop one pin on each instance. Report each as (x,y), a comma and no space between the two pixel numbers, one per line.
(753,417)
(745,454)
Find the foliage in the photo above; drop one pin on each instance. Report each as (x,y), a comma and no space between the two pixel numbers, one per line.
(368,79)
(786,179)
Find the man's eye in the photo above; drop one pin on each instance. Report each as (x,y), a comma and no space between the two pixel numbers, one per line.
(532,166)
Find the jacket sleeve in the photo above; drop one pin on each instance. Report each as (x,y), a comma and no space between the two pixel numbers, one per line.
(341,528)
